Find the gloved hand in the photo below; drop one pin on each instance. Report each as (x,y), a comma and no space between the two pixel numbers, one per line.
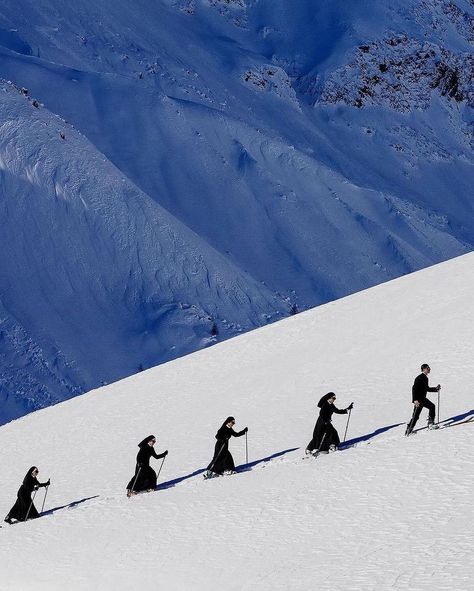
(49,482)
(438,387)
(165,453)
(351,406)
(246,429)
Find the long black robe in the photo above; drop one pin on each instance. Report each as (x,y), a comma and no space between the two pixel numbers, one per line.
(23,505)
(223,460)
(324,428)
(144,477)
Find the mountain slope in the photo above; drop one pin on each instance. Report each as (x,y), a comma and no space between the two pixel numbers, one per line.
(86,258)
(350,520)
(318,148)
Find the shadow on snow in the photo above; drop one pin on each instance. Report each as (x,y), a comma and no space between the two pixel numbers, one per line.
(456,418)
(451,420)
(368,437)
(248,467)
(68,506)
(241,468)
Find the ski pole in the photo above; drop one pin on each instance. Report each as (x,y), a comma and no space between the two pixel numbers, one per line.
(159,471)
(31,504)
(412,422)
(217,457)
(348,419)
(321,444)
(44,500)
(438,406)
(246,449)
(136,478)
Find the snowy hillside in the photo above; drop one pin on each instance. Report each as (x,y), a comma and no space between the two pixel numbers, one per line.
(390,513)
(306,149)
(96,277)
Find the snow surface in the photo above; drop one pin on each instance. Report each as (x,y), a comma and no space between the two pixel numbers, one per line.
(263,132)
(390,513)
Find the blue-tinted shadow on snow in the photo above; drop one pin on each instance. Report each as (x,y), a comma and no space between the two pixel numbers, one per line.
(250,465)
(68,506)
(368,437)
(175,481)
(241,468)
(456,418)
(451,420)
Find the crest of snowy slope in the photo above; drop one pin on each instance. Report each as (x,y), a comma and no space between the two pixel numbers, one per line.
(97,279)
(318,147)
(352,520)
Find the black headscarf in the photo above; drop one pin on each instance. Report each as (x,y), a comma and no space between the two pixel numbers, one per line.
(228,420)
(325,398)
(146,440)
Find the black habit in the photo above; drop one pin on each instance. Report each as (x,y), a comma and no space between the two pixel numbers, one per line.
(24,506)
(144,477)
(223,460)
(324,434)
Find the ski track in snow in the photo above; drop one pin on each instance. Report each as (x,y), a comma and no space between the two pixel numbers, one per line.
(389,513)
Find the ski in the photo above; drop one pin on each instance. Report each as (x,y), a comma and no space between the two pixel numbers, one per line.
(454,424)
(210,475)
(469,420)
(142,492)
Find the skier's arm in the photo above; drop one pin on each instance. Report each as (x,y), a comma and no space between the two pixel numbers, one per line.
(158,456)
(340,411)
(38,484)
(435,389)
(240,433)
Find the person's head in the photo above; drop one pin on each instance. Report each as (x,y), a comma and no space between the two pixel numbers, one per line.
(229,422)
(327,398)
(150,440)
(425,368)
(34,471)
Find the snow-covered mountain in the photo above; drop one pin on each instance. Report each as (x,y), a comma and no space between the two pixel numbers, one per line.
(390,513)
(89,286)
(178,171)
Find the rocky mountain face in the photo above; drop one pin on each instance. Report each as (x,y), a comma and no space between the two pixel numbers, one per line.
(179,171)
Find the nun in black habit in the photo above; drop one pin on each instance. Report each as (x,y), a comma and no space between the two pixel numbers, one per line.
(223,460)
(325,436)
(24,508)
(144,477)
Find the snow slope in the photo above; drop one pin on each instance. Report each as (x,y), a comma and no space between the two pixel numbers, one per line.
(390,513)
(315,148)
